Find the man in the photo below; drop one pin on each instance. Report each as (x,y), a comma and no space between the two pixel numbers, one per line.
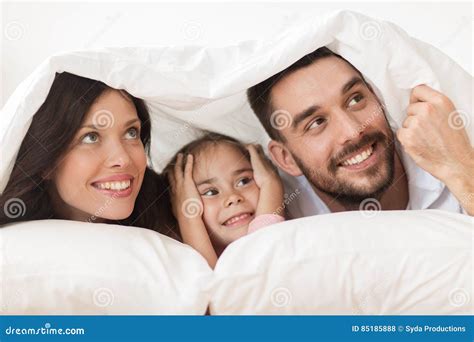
(330,130)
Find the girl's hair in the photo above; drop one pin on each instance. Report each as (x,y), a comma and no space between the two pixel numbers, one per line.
(50,134)
(208,139)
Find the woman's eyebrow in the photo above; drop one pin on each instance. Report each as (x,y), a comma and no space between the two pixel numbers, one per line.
(128,123)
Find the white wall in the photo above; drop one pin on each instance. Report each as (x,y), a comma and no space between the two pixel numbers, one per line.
(34,31)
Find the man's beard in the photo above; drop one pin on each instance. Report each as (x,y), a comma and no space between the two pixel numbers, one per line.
(343,191)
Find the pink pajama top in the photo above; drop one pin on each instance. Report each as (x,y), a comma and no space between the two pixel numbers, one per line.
(264,220)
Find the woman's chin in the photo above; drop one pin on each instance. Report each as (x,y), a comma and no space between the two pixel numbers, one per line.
(114,215)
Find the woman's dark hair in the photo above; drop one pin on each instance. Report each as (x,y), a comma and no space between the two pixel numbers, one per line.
(50,134)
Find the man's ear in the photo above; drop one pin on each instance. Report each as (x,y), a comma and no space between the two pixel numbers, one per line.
(282,157)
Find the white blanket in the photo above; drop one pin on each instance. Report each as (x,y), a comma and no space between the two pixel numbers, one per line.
(192,86)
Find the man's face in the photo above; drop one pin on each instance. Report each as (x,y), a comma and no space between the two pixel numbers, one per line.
(339,137)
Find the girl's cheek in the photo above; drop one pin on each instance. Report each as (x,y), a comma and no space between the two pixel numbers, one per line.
(210,212)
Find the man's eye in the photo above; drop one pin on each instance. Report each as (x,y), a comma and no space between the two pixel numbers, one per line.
(90,138)
(355,100)
(133,133)
(210,192)
(316,123)
(244,181)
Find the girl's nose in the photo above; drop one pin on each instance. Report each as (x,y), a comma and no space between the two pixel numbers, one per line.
(233,199)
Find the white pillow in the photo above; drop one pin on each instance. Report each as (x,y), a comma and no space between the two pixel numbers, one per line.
(366,262)
(398,262)
(65,267)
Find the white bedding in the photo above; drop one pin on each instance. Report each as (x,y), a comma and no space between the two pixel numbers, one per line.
(193,86)
(410,262)
(393,263)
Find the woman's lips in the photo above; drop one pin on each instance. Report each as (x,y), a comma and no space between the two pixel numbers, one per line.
(115,189)
(238,220)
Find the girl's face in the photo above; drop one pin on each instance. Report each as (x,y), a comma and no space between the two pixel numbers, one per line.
(224,178)
(101,174)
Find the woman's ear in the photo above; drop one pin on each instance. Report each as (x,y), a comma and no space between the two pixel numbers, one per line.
(283,158)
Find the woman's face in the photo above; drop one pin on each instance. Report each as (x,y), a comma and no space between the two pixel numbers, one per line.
(102,171)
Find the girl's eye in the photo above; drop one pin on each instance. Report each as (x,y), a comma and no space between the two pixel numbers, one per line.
(355,100)
(133,133)
(90,138)
(244,181)
(316,123)
(210,192)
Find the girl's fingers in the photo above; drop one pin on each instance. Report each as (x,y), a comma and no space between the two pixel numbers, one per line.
(252,152)
(178,168)
(188,167)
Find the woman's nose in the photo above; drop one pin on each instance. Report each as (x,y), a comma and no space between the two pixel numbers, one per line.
(118,157)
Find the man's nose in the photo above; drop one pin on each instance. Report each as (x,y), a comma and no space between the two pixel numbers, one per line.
(349,127)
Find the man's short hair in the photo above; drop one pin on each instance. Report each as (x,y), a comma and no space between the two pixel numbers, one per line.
(259,96)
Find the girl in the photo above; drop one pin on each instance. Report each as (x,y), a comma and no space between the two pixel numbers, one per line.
(84,158)
(222,190)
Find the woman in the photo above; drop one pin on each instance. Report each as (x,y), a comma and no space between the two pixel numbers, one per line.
(84,158)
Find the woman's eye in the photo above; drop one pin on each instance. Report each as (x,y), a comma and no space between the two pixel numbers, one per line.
(210,192)
(132,133)
(316,123)
(355,100)
(244,181)
(90,138)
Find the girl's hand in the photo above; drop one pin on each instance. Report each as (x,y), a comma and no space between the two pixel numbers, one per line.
(188,209)
(264,172)
(185,200)
(267,179)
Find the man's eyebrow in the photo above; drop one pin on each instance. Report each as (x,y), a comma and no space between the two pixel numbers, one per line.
(303,115)
(128,123)
(314,108)
(351,83)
